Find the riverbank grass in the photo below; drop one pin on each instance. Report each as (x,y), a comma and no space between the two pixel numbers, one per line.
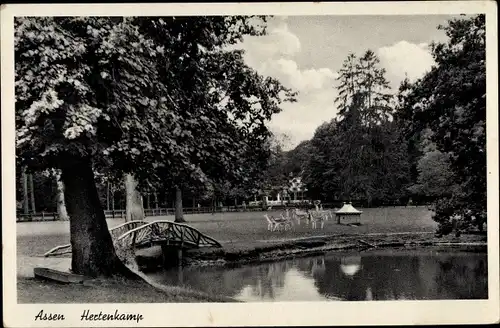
(113,290)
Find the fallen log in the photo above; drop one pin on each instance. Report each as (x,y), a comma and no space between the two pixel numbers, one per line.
(59,276)
(57,248)
(366,243)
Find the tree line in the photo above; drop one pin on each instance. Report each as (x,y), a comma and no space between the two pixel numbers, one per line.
(425,142)
(38,192)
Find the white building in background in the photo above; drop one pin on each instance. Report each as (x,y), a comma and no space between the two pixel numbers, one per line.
(297,188)
(293,193)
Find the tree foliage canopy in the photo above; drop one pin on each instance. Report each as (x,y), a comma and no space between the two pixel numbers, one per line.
(450,100)
(359,156)
(159,97)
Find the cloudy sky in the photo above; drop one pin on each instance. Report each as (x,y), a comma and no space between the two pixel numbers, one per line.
(305,52)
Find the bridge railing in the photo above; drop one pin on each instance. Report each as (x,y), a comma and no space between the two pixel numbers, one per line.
(166,232)
(115,232)
(119,230)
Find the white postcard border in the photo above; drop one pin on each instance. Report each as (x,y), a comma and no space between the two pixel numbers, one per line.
(253,314)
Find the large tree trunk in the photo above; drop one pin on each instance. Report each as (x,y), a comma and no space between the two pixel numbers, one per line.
(179,217)
(26,205)
(62,213)
(134,206)
(93,253)
(32,191)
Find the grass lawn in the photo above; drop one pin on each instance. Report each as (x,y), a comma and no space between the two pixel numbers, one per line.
(241,228)
(250,227)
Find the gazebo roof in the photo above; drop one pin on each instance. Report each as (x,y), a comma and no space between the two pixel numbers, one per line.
(348,209)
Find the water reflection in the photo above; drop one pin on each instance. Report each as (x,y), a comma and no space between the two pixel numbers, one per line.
(380,275)
(296,286)
(350,265)
(369,295)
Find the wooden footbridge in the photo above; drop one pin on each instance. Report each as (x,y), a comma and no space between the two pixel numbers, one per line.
(142,234)
(164,233)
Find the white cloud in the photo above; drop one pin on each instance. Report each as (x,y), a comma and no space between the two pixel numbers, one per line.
(278,43)
(288,72)
(405,58)
(301,119)
(272,55)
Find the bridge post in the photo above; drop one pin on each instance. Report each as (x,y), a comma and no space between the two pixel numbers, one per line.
(164,255)
(171,256)
(180,275)
(179,257)
(179,251)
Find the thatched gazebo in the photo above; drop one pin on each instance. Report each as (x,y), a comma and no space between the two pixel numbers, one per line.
(347,212)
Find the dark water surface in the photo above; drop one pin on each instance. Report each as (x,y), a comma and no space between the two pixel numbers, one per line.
(416,274)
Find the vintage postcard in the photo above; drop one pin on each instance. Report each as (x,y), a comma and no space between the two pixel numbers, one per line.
(277,164)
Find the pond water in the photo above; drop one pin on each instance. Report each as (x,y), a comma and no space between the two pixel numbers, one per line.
(416,274)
